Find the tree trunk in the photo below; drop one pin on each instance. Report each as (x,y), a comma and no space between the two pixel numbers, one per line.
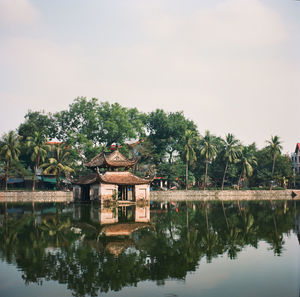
(273,167)
(33,178)
(6,175)
(240,178)
(57,182)
(224,175)
(186,175)
(37,162)
(6,181)
(205,177)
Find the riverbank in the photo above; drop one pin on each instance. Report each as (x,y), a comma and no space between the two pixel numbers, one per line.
(37,196)
(226,195)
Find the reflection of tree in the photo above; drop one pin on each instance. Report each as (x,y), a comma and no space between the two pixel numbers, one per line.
(234,242)
(53,227)
(249,230)
(276,239)
(47,248)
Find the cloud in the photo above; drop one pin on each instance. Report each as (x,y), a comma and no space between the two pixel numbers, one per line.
(231,23)
(225,66)
(17,12)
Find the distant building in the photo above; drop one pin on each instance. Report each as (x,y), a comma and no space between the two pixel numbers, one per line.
(295,159)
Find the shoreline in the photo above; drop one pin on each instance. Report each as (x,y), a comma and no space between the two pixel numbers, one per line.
(225,195)
(175,195)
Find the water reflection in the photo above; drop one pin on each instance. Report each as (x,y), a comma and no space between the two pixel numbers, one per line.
(93,248)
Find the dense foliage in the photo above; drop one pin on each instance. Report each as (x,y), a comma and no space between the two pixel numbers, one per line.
(167,144)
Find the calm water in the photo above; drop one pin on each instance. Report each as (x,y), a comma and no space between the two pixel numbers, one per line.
(163,249)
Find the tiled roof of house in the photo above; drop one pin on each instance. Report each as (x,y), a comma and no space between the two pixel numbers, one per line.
(297,147)
(114,159)
(87,179)
(122,178)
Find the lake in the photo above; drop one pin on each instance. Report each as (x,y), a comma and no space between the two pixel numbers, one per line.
(161,249)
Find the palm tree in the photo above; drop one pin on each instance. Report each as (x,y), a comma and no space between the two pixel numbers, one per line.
(232,151)
(59,163)
(208,149)
(275,147)
(248,161)
(10,152)
(190,155)
(39,148)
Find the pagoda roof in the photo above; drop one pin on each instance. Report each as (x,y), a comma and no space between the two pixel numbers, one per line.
(114,159)
(123,178)
(123,229)
(112,177)
(118,247)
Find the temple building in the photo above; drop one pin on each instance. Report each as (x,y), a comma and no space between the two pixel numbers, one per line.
(112,185)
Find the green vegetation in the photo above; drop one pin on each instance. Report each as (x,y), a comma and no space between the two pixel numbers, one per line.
(170,147)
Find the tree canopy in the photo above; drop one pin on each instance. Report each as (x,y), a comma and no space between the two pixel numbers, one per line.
(168,145)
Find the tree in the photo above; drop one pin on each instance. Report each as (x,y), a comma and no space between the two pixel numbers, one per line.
(10,151)
(232,150)
(39,148)
(275,147)
(41,122)
(59,163)
(167,136)
(101,123)
(248,161)
(208,149)
(190,154)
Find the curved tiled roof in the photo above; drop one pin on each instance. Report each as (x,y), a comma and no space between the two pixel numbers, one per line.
(112,177)
(123,229)
(87,179)
(114,159)
(123,178)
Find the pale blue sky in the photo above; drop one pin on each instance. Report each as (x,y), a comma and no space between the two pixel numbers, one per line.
(230,65)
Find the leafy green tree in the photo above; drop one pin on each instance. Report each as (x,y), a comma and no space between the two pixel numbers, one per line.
(167,139)
(232,149)
(101,123)
(59,163)
(39,149)
(41,122)
(10,151)
(208,149)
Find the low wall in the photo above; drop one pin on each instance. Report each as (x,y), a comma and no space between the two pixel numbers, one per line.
(60,196)
(37,196)
(224,195)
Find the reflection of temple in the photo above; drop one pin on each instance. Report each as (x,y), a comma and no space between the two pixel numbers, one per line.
(112,185)
(137,214)
(120,224)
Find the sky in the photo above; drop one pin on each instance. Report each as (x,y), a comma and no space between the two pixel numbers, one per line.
(232,66)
